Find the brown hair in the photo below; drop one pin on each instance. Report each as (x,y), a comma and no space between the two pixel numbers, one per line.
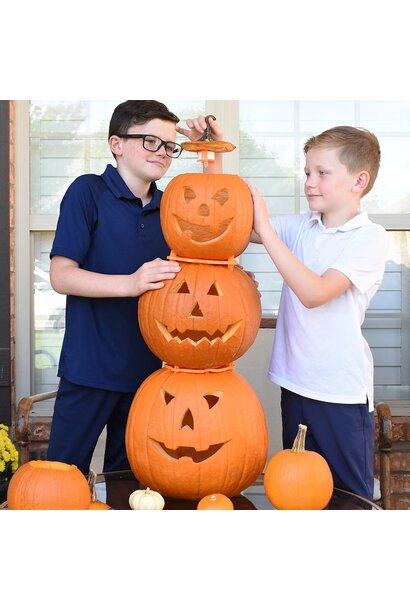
(359,149)
(137,112)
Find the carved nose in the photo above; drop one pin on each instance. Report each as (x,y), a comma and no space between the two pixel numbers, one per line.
(203,210)
(196,312)
(188,420)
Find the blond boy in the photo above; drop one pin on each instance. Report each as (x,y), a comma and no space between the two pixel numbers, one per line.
(332,261)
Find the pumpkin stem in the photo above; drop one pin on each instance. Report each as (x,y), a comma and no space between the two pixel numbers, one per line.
(207,133)
(91,480)
(299,442)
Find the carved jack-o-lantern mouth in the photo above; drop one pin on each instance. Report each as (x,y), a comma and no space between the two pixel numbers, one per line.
(194,337)
(202,233)
(186,452)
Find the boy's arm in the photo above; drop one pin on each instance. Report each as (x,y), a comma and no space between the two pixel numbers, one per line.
(311,289)
(66,277)
(196,129)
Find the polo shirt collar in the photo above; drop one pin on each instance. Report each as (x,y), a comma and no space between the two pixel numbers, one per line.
(360,220)
(119,188)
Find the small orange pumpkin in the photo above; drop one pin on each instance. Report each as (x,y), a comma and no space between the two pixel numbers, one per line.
(206,317)
(191,434)
(45,485)
(207,216)
(215,502)
(298,479)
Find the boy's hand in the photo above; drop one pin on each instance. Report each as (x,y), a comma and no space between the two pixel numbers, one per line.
(261,222)
(198,126)
(152,276)
(252,276)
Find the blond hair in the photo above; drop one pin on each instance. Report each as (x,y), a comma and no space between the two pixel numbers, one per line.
(359,149)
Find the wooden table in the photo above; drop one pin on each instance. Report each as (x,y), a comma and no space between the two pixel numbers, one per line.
(116,487)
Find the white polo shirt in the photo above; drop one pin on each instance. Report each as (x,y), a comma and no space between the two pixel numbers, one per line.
(321,353)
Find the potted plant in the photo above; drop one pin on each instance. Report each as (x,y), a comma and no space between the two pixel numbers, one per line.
(8,461)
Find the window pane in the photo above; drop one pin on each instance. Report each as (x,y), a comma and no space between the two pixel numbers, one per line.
(385,117)
(256,259)
(61,133)
(266,117)
(267,155)
(391,191)
(49,321)
(316,116)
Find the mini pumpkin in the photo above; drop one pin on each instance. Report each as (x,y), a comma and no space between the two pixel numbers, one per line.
(191,434)
(298,479)
(146,499)
(215,502)
(206,317)
(207,216)
(46,485)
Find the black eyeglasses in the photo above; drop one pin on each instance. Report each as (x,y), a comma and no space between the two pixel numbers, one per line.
(153,143)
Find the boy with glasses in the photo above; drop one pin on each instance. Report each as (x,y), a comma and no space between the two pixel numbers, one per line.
(108,250)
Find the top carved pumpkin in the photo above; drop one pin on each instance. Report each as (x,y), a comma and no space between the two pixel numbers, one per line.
(207,216)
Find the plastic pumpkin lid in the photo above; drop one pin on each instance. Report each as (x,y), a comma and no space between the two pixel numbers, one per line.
(206,142)
(212,145)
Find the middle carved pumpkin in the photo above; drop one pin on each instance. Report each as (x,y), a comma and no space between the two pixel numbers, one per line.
(207,215)
(206,317)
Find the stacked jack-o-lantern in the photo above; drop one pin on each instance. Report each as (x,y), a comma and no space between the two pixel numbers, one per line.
(196,426)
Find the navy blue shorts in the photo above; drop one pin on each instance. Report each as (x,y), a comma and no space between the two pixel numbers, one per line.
(80,415)
(342,433)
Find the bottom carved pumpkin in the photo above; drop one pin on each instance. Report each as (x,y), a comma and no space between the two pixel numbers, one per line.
(190,434)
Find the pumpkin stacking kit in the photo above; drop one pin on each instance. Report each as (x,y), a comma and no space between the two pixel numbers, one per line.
(196,427)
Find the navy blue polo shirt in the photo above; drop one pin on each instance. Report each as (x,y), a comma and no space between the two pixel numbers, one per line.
(106,229)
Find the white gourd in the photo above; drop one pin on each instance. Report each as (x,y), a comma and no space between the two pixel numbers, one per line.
(146,499)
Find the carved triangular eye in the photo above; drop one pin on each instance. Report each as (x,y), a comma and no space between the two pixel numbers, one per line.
(182,288)
(166,396)
(212,399)
(221,196)
(215,290)
(189,194)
